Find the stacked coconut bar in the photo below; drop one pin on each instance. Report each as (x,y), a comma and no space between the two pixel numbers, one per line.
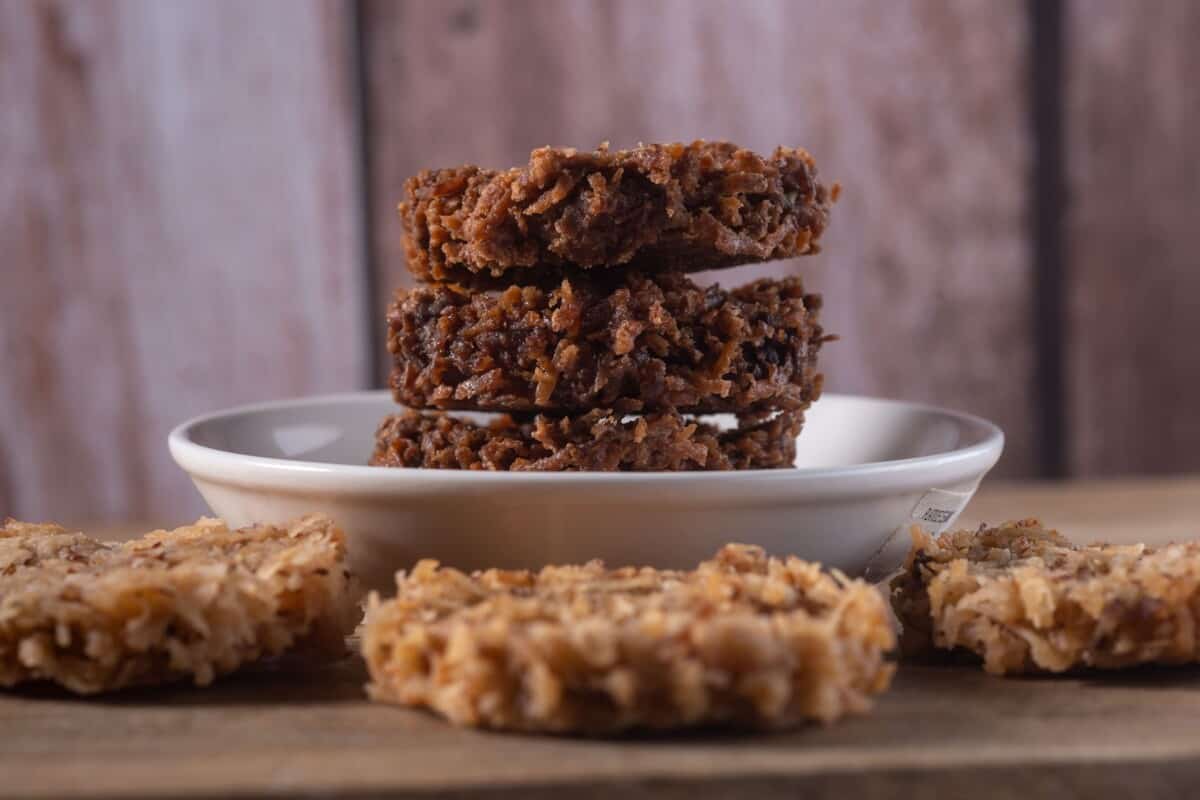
(557,293)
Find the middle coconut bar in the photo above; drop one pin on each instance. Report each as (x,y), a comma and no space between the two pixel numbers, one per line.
(632,343)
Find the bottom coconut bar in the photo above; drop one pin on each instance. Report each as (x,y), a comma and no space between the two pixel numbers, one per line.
(196,602)
(1024,599)
(597,440)
(744,640)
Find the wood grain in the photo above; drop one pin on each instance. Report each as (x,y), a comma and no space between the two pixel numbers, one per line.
(178,233)
(941,731)
(1133,321)
(917,107)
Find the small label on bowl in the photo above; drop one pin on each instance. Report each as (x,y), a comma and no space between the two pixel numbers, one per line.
(937,509)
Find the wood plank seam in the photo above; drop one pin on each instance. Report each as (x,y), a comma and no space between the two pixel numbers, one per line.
(359,72)
(1047,193)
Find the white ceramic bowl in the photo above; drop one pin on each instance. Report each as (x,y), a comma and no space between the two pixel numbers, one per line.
(865,469)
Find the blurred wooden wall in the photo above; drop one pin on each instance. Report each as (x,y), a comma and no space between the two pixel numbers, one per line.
(197,201)
(179,229)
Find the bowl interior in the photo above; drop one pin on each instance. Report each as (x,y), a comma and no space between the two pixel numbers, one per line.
(840,430)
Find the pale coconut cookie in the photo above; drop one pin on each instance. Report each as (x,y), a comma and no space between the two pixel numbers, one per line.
(1024,599)
(192,603)
(743,640)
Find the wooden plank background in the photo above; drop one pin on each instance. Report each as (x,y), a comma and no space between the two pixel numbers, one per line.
(178,224)
(1133,237)
(198,202)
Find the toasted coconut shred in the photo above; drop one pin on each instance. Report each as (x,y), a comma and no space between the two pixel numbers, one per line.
(744,640)
(1024,599)
(196,602)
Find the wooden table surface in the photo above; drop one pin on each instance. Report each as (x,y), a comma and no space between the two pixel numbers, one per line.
(944,730)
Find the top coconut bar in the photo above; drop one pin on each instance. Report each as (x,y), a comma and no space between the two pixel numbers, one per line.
(655,207)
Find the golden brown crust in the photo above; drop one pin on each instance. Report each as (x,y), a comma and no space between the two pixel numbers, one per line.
(743,640)
(599,440)
(659,206)
(636,343)
(197,602)
(1024,599)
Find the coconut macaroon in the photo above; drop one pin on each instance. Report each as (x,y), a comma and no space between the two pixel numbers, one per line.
(196,602)
(1024,599)
(743,640)
(599,440)
(632,343)
(675,206)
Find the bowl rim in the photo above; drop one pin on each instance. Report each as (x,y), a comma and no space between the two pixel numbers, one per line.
(231,468)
